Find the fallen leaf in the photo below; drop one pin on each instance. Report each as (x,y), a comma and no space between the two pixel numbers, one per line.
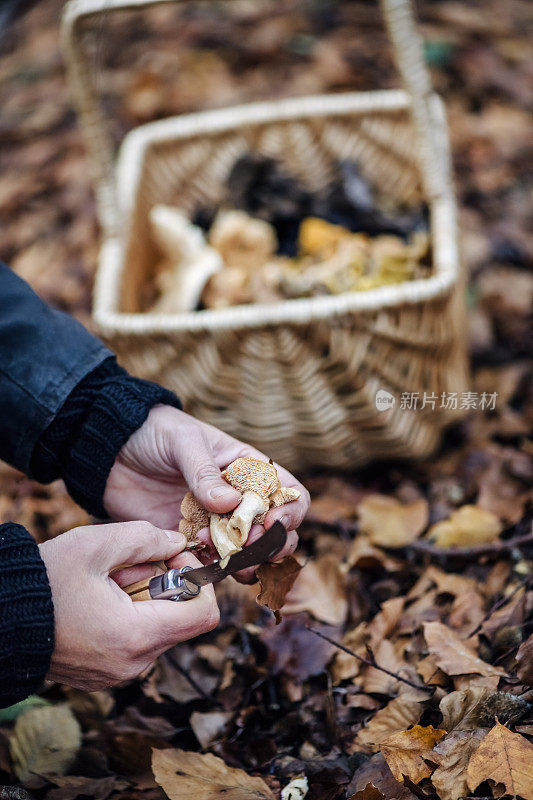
(209,726)
(296,651)
(45,740)
(276,580)
(466,527)
(404,751)
(524,659)
(319,589)
(70,787)
(453,655)
(507,616)
(453,755)
(397,715)
(364,555)
(427,668)
(344,665)
(370,792)
(461,710)
(376,772)
(503,757)
(389,523)
(204,777)
(376,681)
(385,620)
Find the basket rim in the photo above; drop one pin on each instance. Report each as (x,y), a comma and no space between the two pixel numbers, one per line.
(111,265)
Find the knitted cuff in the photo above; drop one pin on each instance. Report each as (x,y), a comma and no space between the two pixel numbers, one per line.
(83,441)
(26,615)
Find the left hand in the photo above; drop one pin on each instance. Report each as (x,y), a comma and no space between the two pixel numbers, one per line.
(174,452)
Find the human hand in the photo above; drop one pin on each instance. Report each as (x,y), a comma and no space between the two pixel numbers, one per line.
(174,452)
(101,636)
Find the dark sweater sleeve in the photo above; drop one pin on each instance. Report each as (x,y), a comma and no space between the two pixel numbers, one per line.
(97,419)
(44,354)
(26,615)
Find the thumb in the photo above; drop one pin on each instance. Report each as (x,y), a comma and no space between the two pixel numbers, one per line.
(133,543)
(204,478)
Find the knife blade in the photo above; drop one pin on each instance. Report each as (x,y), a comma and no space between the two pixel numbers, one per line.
(185,583)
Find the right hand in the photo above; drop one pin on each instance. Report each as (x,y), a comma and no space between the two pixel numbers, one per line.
(101,636)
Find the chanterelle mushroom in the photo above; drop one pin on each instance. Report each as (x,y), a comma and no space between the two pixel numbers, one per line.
(261,489)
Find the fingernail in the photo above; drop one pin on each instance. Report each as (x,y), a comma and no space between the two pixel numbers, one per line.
(222,493)
(175,537)
(285,521)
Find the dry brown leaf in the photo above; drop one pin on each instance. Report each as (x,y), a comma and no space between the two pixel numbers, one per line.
(385,621)
(376,681)
(364,555)
(204,777)
(45,741)
(368,793)
(466,527)
(453,755)
(397,715)
(524,659)
(389,523)
(344,665)
(209,726)
(454,656)
(430,672)
(319,589)
(276,580)
(404,751)
(504,757)
(462,682)
(461,710)
(376,772)
(466,612)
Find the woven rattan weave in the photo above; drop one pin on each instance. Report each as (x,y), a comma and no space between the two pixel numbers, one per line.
(298,378)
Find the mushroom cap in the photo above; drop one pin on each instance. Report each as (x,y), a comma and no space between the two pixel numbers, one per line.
(248,474)
(194,513)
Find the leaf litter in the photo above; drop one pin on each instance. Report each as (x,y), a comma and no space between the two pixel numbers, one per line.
(419,569)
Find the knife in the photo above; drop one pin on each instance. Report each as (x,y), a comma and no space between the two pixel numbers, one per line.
(186,583)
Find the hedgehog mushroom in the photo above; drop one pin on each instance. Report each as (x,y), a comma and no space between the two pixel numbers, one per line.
(195,517)
(261,489)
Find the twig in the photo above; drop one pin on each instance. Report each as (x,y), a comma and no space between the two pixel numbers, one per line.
(500,603)
(417,790)
(370,662)
(498,548)
(494,549)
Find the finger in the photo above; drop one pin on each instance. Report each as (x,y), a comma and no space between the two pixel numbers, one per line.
(131,543)
(297,509)
(128,575)
(202,474)
(166,623)
(291,515)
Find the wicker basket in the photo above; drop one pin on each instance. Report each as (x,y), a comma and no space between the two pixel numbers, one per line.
(298,378)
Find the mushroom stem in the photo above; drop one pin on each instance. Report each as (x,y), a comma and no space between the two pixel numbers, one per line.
(221,536)
(240,522)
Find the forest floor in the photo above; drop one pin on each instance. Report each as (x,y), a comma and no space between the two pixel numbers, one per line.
(453,629)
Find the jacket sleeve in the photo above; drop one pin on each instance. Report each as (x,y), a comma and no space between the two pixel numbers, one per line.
(26,615)
(44,354)
(66,406)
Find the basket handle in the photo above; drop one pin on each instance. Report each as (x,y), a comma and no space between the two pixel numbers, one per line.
(408,54)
